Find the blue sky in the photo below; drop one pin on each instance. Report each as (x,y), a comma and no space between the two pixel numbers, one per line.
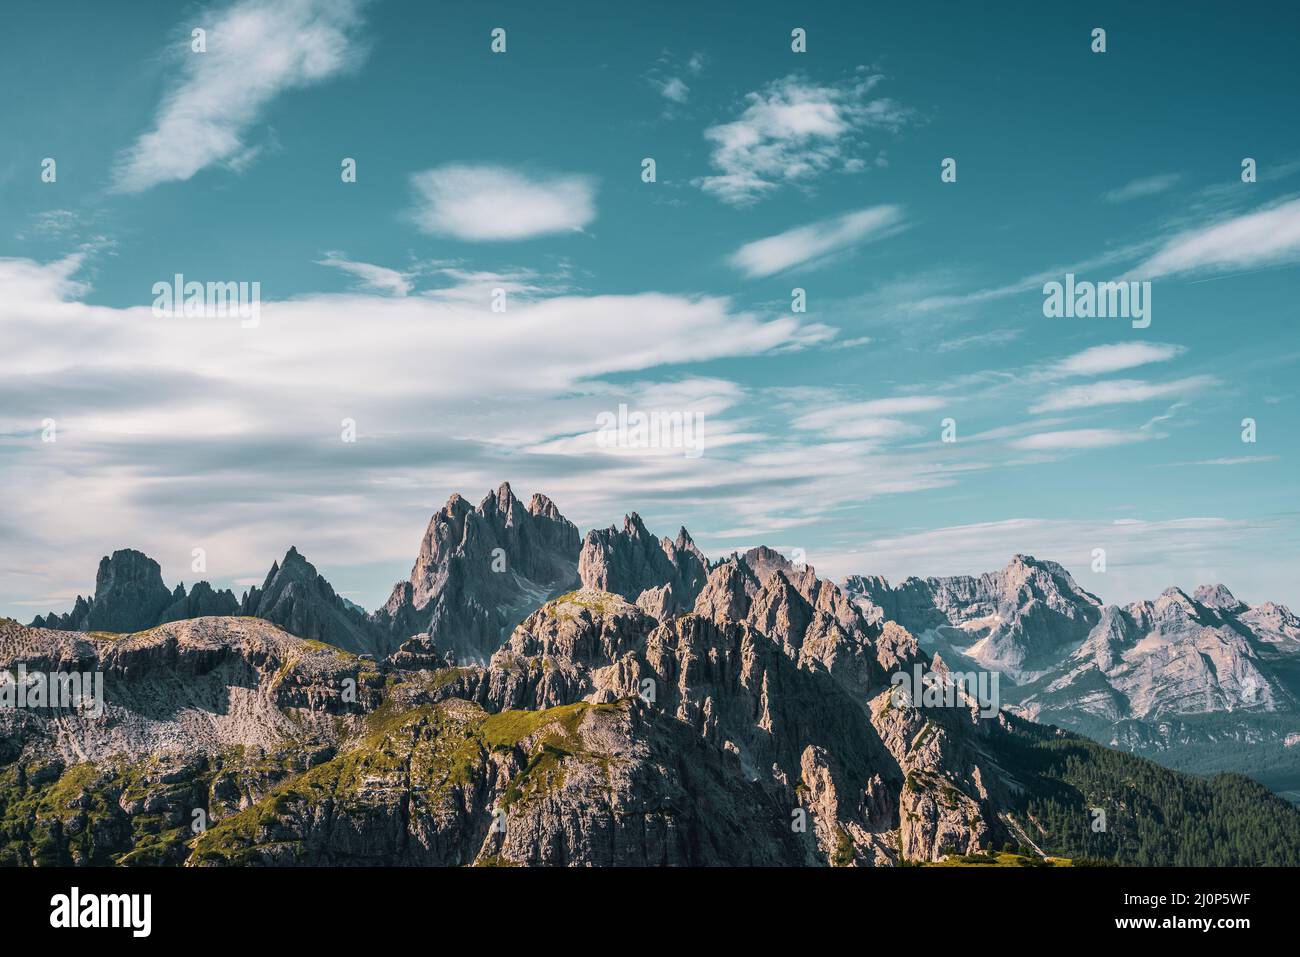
(522,171)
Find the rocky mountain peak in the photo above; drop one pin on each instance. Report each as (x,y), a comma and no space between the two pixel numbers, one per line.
(1218,597)
(299,599)
(1019,620)
(503,503)
(1176,603)
(129,593)
(630,560)
(539,504)
(765,561)
(634,526)
(480,570)
(727,595)
(130,596)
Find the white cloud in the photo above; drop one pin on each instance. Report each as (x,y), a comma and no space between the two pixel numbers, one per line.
(1138,188)
(1078,439)
(675,89)
(157,414)
(482,203)
(379,278)
(874,419)
(1112,358)
(256,50)
(1230,460)
(1119,391)
(808,244)
(52,224)
(792,131)
(1262,238)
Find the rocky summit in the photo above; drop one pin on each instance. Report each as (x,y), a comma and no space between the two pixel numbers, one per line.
(479,570)
(530,698)
(130,595)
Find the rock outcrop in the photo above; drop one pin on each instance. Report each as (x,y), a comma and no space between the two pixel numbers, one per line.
(298,599)
(130,596)
(480,570)
(628,561)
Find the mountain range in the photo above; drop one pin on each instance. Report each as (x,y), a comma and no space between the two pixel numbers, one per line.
(1200,682)
(528,696)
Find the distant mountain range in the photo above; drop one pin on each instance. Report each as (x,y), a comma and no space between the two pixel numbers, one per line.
(1200,682)
(530,697)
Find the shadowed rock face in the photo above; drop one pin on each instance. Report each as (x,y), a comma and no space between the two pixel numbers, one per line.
(480,571)
(630,561)
(130,596)
(299,600)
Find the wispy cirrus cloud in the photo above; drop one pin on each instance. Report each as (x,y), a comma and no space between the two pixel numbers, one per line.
(256,50)
(873,419)
(1120,391)
(1225,461)
(486,203)
(1138,188)
(1070,439)
(793,131)
(378,278)
(808,245)
(1115,357)
(1264,237)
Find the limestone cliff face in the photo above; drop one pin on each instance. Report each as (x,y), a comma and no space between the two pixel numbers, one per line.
(630,561)
(298,599)
(791,689)
(480,570)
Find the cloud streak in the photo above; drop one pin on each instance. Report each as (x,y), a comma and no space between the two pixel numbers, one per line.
(808,245)
(1072,439)
(1100,360)
(256,50)
(379,278)
(1140,188)
(1262,238)
(1120,391)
